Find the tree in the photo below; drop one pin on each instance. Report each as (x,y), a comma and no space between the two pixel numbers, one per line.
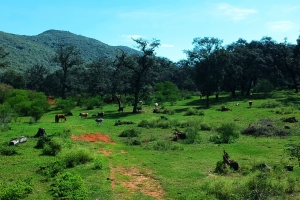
(3,54)
(67,57)
(35,77)
(166,91)
(100,77)
(140,67)
(13,78)
(208,58)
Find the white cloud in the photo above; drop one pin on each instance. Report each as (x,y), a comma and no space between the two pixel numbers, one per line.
(280,25)
(167,45)
(233,12)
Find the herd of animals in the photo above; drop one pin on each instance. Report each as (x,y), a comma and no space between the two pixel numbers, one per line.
(99,119)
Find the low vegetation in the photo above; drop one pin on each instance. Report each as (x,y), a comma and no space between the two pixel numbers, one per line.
(183,152)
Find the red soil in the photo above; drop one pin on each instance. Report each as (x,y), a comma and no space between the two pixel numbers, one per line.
(94,137)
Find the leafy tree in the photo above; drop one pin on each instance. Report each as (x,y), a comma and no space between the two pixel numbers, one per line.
(53,83)
(100,77)
(13,78)
(67,57)
(234,70)
(183,76)
(264,86)
(167,91)
(35,77)
(4,89)
(208,58)
(3,54)
(65,104)
(140,67)
(27,103)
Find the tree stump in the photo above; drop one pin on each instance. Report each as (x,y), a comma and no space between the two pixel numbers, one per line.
(41,132)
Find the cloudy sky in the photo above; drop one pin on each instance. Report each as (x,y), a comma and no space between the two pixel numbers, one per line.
(174,22)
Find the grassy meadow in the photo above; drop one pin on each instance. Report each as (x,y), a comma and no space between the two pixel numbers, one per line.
(148,164)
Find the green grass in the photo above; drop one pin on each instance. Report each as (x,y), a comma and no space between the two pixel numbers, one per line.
(185,171)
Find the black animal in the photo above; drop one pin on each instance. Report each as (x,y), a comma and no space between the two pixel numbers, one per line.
(99,121)
(121,109)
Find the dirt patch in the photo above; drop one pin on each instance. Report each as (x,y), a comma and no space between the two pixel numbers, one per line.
(93,137)
(138,181)
(106,152)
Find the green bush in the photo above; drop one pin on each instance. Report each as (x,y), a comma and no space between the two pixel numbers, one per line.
(66,105)
(97,164)
(163,124)
(270,104)
(52,148)
(264,86)
(144,123)
(42,141)
(77,157)
(53,168)
(220,169)
(227,134)
(8,151)
(130,133)
(69,186)
(164,146)
(205,127)
(191,111)
(192,136)
(15,191)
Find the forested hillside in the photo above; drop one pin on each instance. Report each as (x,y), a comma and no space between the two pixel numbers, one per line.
(27,51)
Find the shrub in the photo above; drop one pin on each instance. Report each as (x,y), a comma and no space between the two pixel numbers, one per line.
(53,168)
(204,126)
(220,169)
(42,141)
(65,104)
(190,111)
(69,186)
(227,134)
(163,124)
(164,146)
(144,123)
(130,133)
(270,104)
(192,136)
(8,151)
(52,148)
(283,110)
(264,86)
(77,157)
(97,164)
(16,191)
(133,141)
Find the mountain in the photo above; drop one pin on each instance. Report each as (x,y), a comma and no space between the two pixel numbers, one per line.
(27,51)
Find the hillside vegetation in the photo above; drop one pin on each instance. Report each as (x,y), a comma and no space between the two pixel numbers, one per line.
(28,51)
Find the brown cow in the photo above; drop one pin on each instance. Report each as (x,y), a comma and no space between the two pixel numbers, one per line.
(60,116)
(83,115)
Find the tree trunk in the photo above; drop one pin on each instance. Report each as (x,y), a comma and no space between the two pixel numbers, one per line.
(207,101)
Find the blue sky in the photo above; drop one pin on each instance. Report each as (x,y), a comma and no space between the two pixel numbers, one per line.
(174,22)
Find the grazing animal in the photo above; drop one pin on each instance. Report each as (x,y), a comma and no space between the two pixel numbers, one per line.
(100,114)
(99,120)
(60,116)
(120,109)
(83,115)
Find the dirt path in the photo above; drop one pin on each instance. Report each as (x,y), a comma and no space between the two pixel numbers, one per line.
(136,180)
